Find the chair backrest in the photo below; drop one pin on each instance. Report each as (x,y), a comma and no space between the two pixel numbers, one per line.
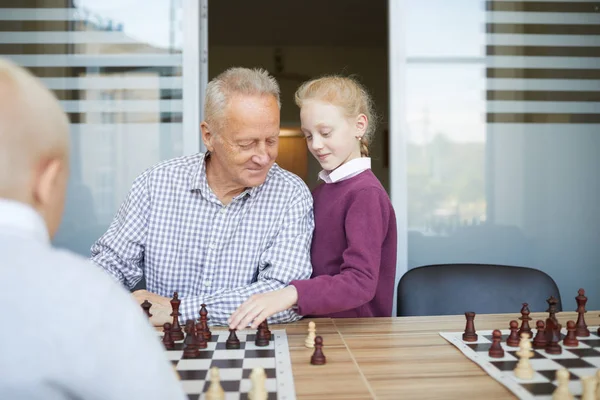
(452,289)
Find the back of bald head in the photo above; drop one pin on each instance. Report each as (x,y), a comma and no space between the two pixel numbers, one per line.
(33,130)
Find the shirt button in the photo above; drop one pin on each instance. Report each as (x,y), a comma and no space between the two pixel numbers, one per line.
(207,283)
(213,245)
(223,210)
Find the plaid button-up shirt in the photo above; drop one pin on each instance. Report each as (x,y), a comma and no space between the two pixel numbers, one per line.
(173,229)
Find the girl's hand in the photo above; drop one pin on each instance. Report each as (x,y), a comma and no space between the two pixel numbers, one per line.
(261,306)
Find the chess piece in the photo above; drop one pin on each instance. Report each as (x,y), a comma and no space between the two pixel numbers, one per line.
(190,348)
(204,322)
(146,305)
(524,369)
(215,390)
(581,328)
(258,377)
(266,328)
(261,339)
(310,338)
(552,338)
(189,333)
(496,350)
(539,341)
(318,358)
(470,335)
(513,339)
(199,340)
(598,384)
(562,389)
(589,384)
(552,310)
(167,339)
(176,331)
(571,339)
(232,341)
(525,318)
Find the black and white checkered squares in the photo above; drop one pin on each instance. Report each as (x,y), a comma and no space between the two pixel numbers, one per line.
(236,365)
(580,361)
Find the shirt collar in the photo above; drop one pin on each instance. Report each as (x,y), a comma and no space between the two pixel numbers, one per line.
(199,181)
(347,170)
(22,219)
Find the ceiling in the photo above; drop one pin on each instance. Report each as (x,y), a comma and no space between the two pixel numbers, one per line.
(353,23)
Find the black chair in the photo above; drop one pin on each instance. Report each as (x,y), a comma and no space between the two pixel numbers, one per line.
(452,289)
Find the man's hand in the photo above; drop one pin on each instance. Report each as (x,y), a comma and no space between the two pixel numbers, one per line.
(161,306)
(261,306)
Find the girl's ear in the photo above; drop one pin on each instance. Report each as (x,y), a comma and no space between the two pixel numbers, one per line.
(361,124)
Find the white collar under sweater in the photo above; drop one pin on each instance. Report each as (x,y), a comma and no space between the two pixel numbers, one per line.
(347,170)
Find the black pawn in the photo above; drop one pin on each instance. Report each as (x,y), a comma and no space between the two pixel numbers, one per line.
(318,358)
(232,341)
(496,350)
(167,339)
(261,337)
(525,318)
(470,335)
(146,307)
(571,339)
(539,341)
(513,339)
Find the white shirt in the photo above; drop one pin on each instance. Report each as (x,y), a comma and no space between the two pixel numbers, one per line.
(347,170)
(70,332)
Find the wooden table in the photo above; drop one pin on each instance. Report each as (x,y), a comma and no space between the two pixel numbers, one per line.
(397,358)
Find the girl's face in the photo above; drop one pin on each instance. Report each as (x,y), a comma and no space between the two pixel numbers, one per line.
(331,136)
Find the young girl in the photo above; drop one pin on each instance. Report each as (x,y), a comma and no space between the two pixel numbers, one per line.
(354,244)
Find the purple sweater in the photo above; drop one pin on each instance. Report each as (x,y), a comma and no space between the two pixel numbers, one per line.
(353,251)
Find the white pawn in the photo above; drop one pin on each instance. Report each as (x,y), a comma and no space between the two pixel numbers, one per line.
(562,390)
(524,369)
(215,390)
(258,390)
(312,333)
(589,388)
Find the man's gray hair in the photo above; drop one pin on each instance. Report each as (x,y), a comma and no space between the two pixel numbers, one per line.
(236,81)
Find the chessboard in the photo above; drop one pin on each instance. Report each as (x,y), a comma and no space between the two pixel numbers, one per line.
(236,365)
(582,360)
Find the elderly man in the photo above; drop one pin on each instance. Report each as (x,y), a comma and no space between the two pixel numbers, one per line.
(221,226)
(74,333)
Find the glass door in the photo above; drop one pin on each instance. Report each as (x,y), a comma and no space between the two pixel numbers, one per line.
(129,73)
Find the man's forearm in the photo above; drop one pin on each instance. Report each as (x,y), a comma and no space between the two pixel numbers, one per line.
(127,274)
(106,265)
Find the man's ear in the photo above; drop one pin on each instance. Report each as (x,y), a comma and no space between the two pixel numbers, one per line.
(207,136)
(48,175)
